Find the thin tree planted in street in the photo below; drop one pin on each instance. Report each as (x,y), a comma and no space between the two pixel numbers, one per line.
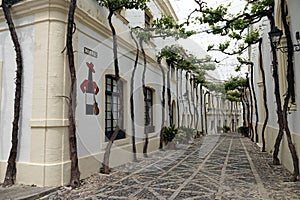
(234,26)
(263,75)
(192,66)
(252,96)
(75,173)
(177,98)
(163,102)
(147,117)
(116,6)
(161,28)
(290,95)
(132,96)
(11,169)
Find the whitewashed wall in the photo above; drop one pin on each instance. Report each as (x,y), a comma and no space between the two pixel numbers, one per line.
(8,60)
(294,6)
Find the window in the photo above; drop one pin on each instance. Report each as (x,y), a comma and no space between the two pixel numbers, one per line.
(148,19)
(149,110)
(173,114)
(112,106)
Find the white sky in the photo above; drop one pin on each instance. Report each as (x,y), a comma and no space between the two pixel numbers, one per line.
(226,68)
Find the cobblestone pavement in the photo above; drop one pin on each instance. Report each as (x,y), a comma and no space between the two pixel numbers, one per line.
(216,167)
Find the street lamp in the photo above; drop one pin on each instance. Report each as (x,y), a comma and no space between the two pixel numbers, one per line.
(100,2)
(275,35)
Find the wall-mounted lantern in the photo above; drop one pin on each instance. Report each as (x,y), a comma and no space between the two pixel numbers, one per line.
(275,35)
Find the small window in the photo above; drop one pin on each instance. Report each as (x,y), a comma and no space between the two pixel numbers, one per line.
(173,114)
(149,110)
(112,107)
(148,19)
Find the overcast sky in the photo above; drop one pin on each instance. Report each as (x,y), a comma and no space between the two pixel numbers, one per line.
(183,8)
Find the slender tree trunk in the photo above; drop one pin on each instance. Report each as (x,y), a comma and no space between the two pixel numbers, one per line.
(250,122)
(193,102)
(264,96)
(244,111)
(196,108)
(177,91)
(201,109)
(205,112)
(119,85)
(11,170)
(115,43)
(277,97)
(163,109)
(181,95)
(248,115)
(255,103)
(169,94)
(188,99)
(290,91)
(231,114)
(145,97)
(132,97)
(75,174)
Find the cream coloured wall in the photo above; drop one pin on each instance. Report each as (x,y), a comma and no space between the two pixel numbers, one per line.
(7,58)
(293,116)
(44,157)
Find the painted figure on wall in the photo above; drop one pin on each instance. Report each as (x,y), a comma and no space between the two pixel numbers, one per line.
(90,89)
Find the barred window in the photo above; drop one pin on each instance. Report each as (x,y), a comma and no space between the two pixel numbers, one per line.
(112,107)
(149,110)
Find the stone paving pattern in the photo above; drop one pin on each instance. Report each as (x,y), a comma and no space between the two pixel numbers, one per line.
(19,192)
(225,166)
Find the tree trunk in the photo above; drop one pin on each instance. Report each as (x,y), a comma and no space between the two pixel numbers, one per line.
(255,103)
(205,112)
(117,77)
(169,94)
(196,108)
(132,97)
(11,170)
(290,91)
(244,111)
(251,131)
(264,96)
(181,95)
(177,91)
(163,104)
(188,99)
(248,114)
(145,149)
(193,102)
(277,97)
(106,169)
(115,44)
(201,109)
(75,174)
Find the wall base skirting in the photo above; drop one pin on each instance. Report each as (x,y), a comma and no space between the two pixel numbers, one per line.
(57,174)
(284,152)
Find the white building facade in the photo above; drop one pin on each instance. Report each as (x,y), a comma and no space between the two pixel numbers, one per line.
(43,157)
(293,113)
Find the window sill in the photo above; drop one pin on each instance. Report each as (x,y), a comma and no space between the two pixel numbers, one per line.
(120,142)
(292,107)
(152,135)
(150,129)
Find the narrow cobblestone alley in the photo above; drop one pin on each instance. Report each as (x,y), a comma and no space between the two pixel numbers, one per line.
(215,167)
